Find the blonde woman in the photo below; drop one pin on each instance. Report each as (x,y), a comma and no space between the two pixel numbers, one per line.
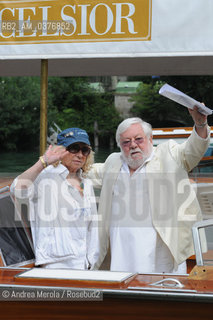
(62,206)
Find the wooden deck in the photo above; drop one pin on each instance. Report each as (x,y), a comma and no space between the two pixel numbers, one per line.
(136,299)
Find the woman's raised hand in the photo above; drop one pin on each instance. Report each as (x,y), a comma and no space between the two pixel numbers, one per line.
(54,154)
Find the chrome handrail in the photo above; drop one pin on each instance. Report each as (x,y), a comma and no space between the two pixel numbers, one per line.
(196,237)
(167,283)
(4,189)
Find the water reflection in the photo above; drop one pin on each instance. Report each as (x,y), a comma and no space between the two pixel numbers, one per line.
(19,162)
(16,162)
(101,154)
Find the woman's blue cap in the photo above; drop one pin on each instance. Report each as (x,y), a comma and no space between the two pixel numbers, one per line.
(72,135)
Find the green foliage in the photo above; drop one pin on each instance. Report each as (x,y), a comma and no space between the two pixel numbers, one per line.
(80,105)
(198,87)
(19,108)
(163,112)
(155,109)
(71,102)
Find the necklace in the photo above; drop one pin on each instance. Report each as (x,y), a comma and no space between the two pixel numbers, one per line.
(82,186)
(76,182)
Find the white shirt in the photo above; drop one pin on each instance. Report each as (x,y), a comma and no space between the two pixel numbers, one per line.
(63,223)
(135,244)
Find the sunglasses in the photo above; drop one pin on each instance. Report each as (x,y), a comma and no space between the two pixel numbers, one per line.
(128,142)
(75,148)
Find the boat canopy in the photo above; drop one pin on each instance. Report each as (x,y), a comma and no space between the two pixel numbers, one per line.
(88,38)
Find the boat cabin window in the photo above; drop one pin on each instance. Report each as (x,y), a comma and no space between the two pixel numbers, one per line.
(203,242)
(15,244)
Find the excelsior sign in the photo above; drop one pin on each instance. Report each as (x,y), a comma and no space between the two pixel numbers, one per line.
(119,37)
(51,21)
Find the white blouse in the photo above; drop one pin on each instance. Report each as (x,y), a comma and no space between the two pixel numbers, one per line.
(63,223)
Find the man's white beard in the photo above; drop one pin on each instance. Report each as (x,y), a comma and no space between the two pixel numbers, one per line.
(136,163)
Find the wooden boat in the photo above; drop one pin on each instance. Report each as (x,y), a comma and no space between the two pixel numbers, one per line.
(32,293)
(177,133)
(137,299)
(28,294)
(151,296)
(148,296)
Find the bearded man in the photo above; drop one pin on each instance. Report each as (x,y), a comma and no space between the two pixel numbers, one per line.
(147,205)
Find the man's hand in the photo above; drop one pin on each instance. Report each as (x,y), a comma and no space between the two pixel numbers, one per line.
(200,121)
(199,118)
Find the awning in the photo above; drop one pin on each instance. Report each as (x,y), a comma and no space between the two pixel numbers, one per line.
(135,37)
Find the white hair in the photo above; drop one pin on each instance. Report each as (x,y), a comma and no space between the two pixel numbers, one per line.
(125,124)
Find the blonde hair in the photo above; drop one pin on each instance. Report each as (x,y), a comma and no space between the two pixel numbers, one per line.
(89,162)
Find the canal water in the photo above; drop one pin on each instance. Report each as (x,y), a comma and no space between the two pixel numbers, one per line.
(12,164)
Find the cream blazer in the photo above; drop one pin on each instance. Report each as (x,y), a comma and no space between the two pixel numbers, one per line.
(174,206)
